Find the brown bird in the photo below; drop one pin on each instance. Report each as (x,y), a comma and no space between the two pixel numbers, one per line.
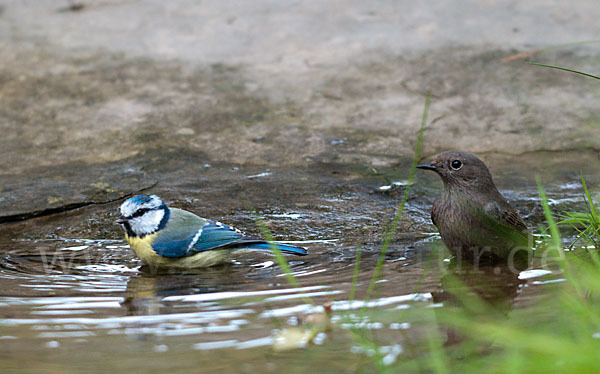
(475,221)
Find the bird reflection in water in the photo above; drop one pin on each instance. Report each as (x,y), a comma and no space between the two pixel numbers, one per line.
(146,291)
(486,293)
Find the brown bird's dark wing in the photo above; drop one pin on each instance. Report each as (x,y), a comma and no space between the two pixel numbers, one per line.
(511,229)
(512,218)
(505,215)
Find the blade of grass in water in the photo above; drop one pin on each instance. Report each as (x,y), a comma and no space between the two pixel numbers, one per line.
(590,203)
(279,257)
(556,239)
(400,207)
(595,221)
(439,362)
(565,69)
(555,235)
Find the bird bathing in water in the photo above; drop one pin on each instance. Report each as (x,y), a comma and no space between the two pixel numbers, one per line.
(475,221)
(164,237)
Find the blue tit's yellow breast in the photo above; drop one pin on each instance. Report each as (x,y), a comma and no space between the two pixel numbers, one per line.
(143,249)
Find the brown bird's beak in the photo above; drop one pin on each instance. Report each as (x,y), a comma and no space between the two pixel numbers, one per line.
(121,220)
(427,167)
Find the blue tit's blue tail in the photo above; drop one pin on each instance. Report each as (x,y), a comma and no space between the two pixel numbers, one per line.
(285,248)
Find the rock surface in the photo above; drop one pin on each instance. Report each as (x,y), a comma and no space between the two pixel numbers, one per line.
(97,96)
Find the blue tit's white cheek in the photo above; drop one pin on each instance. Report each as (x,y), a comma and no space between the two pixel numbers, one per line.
(148,223)
(128,208)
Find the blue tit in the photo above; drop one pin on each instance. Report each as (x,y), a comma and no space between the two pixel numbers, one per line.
(164,237)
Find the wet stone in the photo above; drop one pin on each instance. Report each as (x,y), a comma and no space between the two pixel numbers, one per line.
(54,190)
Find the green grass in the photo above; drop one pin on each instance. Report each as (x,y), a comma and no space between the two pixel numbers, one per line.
(279,257)
(565,69)
(585,223)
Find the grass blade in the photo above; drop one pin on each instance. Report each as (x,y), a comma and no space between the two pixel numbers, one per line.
(400,207)
(565,69)
(279,257)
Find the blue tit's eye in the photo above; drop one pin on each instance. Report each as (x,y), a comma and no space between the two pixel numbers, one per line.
(139,213)
(456,164)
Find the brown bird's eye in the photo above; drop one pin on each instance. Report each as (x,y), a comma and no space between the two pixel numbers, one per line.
(456,164)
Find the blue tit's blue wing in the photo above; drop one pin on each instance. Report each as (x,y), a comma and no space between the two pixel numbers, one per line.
(215,235)
(186,234)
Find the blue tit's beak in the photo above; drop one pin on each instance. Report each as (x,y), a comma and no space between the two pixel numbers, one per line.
(427,167)
(120,221)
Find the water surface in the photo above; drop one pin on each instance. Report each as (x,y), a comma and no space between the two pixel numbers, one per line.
(87,303)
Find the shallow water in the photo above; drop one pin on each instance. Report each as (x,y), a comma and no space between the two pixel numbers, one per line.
(88,304)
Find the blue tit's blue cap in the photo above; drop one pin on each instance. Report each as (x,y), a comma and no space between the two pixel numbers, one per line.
(140,199)
(135,203)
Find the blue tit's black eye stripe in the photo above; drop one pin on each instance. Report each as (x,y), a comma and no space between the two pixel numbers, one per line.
(139,213)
